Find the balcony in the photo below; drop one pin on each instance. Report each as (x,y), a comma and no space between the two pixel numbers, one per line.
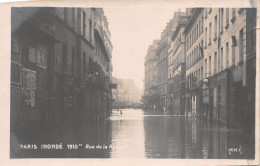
(233,18)
(209,42)
(215,36)
(221,30)
(227,24)
(210,10)
(240,10)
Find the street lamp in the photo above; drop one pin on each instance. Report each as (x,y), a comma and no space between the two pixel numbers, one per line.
(207,95)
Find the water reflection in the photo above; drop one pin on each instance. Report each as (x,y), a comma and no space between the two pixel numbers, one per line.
(140,134)
(127,134)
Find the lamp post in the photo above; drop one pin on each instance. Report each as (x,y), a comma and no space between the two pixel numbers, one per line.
(207,96)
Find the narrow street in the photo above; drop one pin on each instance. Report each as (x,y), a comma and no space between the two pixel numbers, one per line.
(145,134)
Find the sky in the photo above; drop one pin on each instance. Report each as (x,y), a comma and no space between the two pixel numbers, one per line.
(133,29)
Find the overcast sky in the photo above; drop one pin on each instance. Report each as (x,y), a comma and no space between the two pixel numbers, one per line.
(133,29)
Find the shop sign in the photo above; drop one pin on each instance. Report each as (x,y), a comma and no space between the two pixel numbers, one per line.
(69,81)
(29,79)
(15,50)
(15,72)
(83,84)
(29,97)
(68,101)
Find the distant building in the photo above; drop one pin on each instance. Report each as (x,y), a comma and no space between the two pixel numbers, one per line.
(162,60)
(127,92)
(150,80)
(176,69)
(194,33)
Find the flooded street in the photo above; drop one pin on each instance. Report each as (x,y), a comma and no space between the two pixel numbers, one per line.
(152,134)
(135,133)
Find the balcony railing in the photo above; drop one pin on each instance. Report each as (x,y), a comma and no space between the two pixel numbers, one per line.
(210,10)
(209,42)
(221,30)
(233,18)
(227,24)
(215,36)
(240,10)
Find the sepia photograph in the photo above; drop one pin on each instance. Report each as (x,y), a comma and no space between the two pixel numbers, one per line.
(133,82)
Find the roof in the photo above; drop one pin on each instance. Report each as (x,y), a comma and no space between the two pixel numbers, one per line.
(195,14)
(182,22)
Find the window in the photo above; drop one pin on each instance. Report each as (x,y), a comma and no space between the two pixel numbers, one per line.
(201,72)
(227,16)
(199,51)
(206,33)
(84,24)
(215,26)
(233,12)
(206,66)
(215,62)
(221,20)
(66,15)
(241,44)
(199,28)
(221,60)
(73,18)
(219,97)
(15,50)
(202,48)
(15,72)
(192,37)
(209,64)
(84,65)
(202,24)
(227,54)
(210,32)
(90,30)
(65,57)
(197,31)
(73,62)
(32,54)
(233,55)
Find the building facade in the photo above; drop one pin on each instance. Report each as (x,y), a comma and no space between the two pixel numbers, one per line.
(162,61)
(61,67)
(176,69)
(150,80)
(225,62)
(219,64)
(194,33)
(127,94)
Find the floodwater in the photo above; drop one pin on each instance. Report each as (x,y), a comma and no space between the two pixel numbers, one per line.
(135,133)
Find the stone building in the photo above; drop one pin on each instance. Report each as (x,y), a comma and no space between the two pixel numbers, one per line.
(126,94)
(61,67)
(162,60)
(176,69)
(150,79)
(231,38)
(194,33)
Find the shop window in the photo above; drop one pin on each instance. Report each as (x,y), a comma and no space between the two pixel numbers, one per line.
(15,72)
